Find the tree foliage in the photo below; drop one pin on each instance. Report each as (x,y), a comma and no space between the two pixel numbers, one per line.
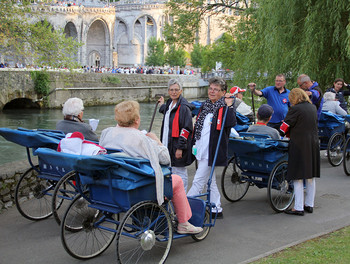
(197,55)
(187,16)
(272,37)
(26,34)
(295,37)
(156,54)
(176,56)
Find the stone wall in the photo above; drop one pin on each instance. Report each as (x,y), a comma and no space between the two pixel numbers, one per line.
(94,88)
(10,173)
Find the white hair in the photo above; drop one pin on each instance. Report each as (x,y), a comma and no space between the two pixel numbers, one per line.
(174,81)
(329,96)
(73,106)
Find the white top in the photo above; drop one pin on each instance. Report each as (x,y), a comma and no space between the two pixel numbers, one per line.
(166,125)
(203,143)
(136,144)
(333,107)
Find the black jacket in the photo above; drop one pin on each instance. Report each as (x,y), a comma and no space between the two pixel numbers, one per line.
(182,139)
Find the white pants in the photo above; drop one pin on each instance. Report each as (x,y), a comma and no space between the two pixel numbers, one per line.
(299,193)
(182,172)
(200,181)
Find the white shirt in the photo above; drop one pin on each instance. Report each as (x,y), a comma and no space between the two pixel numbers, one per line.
(203,143)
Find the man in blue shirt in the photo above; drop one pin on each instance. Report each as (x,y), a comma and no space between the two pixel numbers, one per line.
(277,98)
(312,90)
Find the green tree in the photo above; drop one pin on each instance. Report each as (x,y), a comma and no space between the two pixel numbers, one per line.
(176,56)
(155,55)
(21,36)
(197,55)
(187,15)
(294,37)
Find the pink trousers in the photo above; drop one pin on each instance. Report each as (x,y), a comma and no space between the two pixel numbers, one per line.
(180,202)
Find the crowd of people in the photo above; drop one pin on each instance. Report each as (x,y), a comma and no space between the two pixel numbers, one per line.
(291,114)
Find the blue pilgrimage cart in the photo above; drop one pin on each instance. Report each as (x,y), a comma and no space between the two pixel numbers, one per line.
(47,188)
(120,187)
(257,160)
(332,134)
(36,186)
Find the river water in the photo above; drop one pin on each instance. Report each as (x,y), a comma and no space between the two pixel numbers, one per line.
(47,118)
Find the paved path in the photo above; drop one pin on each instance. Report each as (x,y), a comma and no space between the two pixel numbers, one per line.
(250,229)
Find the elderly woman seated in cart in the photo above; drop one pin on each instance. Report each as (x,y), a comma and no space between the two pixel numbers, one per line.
(132,141)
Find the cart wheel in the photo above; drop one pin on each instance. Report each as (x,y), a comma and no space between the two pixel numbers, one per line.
(64,193)
(206,228)
(280,192)
(85,231)
(145,234)
(33,195)
(233,184)
(346,157)
(335,149)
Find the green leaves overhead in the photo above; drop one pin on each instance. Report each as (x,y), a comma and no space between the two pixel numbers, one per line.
(27,36)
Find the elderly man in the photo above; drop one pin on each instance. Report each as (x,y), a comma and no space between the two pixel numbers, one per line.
(73,111)
(240,105)
(277,98)
(264,116)
(312,90)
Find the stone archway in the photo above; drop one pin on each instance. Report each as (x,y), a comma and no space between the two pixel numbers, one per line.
(70,30)
(94,59)
(97,43)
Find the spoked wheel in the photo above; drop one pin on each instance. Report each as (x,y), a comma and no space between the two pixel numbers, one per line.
(206,229)
(346,157)
(280,192)
(145,234)
(33,195)
(86,232)
(233,184)
(64,193)
(335,149)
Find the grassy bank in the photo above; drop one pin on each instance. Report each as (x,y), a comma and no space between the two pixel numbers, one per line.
(330,248)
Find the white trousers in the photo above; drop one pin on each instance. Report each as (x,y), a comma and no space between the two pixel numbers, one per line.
(182,172)
(299,193)
(200,181)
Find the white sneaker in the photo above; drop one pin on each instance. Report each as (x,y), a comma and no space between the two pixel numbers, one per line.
(188,229)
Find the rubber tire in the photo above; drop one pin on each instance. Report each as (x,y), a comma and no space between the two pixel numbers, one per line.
(285,187)
(63,195)
(336,141)
(79,227)
(206,229)
(35,204)
(131,247)
(346,157)
(231,178)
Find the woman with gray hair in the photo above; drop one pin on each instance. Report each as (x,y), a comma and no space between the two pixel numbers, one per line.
(177,127)
(73,111)
(331,105)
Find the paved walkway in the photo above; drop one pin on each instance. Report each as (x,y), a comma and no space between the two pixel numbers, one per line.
(250,229)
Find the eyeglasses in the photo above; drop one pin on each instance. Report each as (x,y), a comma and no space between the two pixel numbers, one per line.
(174,90)
(279,81)
(301,84)
(214,89)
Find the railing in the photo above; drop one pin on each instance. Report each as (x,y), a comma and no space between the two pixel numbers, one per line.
(226,75)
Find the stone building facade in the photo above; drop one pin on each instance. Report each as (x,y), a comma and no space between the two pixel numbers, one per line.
(114,33)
